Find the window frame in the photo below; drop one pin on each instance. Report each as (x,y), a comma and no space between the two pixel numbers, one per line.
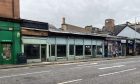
(63,52)
(30,53)
(81,54)
(90,50)
(97,50)
(73,53)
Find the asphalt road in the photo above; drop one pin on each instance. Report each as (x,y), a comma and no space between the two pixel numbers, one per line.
(120,71)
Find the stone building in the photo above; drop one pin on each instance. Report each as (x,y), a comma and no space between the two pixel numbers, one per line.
(109,26)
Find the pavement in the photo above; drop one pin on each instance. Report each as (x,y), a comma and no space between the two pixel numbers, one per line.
(115,71)
(62,62)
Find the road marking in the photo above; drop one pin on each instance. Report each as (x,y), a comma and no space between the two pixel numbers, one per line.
(80,67)
(120,63)
(87,64)
(84,66)
(23,74)
(70,81)
(94,63)
(69,64)
(111,67)
(15,69)
(117,72)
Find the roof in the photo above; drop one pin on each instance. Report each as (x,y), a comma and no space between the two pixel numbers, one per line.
(34,24)
(75,29)
(85,34)
(119,28)
(136,27)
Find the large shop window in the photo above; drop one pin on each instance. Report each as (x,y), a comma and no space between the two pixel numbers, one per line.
(32,51)
(71,49)
(79,50)
(52,50)
(87,50)
(99,50)
(61,50)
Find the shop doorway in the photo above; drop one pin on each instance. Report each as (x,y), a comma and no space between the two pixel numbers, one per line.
(43,53)
(94,51)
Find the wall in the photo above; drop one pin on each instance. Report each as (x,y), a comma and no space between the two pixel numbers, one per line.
(10,9)
(10,34)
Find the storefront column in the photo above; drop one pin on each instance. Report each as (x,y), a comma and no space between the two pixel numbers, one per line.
(67,48)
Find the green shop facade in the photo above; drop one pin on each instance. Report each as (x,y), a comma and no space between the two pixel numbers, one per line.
(10,41)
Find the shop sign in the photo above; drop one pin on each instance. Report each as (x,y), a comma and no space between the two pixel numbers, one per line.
(123,41)
(130,41)
(137,41)
(18,34)
(10,29)
(6,40)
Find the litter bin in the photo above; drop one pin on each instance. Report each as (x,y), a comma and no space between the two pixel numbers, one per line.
(21,58)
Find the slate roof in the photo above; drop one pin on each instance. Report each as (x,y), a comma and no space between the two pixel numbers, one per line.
(137,27)
(119,28)
(34,24)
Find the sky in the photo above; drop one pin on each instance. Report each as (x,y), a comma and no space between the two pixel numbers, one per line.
(80,12)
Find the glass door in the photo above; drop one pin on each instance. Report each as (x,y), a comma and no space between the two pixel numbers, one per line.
(43,53)
(93,51)
(6,53)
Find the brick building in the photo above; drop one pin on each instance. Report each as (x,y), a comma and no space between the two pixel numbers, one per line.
(9,9)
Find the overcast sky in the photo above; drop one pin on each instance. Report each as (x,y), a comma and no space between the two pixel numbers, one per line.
(80,12)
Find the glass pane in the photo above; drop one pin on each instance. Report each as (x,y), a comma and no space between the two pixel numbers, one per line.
(6,51)
(71,49)
(52,50)
(32,51)
(99,50)
(79,50)
(94,50)
(43,52)
(87,50)
(61,50)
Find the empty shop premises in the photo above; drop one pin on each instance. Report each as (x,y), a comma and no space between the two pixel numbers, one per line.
(41,43)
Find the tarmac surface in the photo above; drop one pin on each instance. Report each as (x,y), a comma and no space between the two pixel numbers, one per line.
(117,71)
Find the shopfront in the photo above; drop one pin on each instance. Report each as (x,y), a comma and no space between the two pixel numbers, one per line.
(130,51)
(70,47)
(9,42)
(58,48)
(138,47)
(35,49)
(115,46)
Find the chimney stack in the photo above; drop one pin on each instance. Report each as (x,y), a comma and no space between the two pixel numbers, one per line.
(63,20)
(109,25)
(63,25)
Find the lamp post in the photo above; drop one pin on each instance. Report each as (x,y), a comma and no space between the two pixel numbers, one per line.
(135,37)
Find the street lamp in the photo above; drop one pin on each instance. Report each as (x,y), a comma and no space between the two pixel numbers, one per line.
(135,37)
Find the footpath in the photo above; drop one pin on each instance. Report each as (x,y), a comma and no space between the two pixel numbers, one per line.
(62,62)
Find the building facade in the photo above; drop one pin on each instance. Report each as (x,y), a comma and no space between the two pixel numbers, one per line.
(10,42)
(43,44)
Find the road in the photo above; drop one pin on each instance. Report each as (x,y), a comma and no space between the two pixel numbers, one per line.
(119,71)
